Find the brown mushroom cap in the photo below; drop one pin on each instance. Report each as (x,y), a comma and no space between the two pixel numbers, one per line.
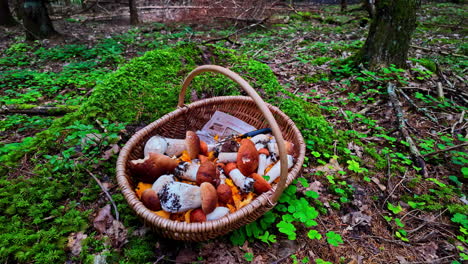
(203,158)
(229,167)
(192,142)
(260,185)
(209,197)
(247,157)
(197,216)
(208,173)
(203,148)
(263,151)
(290,148)
(224,193)
(151,200)
(150,168)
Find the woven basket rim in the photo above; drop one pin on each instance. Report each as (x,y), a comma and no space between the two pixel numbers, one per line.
(176,226)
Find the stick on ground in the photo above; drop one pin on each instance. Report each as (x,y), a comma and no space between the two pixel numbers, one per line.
(402,127)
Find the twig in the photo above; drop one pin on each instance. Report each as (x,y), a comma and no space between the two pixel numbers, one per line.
(460,120)
(426,222)
(439,51)
(440,90)
(401,243)
(394,188)
(37,110)
(446,149)
(402,126)
(107,194)
(422,110)
(227,38)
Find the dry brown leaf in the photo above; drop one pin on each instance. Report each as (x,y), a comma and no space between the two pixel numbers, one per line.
(103,219)
(74,243)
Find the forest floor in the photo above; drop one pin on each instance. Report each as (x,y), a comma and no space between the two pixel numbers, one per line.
(377,207)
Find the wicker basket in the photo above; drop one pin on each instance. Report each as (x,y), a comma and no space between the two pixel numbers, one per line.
(252,110)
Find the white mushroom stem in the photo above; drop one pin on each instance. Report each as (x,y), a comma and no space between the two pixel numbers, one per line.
(263,162)
(276,169)
(222,177)
(273,147)
(161,181)
(179,197)
(244,183)
(163,145)
(260,139)
(217,213)
(226,157)
(187,170)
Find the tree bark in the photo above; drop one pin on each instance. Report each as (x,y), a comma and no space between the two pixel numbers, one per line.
(6,19)
(344,5)
(390,33)
(36,20)
(133,12)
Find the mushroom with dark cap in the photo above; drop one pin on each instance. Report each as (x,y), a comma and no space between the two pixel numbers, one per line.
(152,166)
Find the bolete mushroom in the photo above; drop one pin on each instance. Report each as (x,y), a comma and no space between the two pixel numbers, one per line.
(174,147)
(261,185)
(274,172)
(260,141)
(161,181)
(179,197)
(247,157)
(209,197)
(207,173)
(217,213)
(264,160)
(226,157)
(152,166)
(245,184)
(187,170)
(150,199)
(197,216)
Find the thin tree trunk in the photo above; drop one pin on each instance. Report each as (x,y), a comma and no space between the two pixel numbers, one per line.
(19,12)
(390,33)
(133,12)
(344,5)
(36,20)
(6,19)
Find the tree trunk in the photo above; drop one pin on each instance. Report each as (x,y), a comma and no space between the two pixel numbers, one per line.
(344,5)
(133,12)
(390,34)
(6,19)
(19,12)
(36,20)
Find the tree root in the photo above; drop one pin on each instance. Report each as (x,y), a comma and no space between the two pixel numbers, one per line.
(419,160)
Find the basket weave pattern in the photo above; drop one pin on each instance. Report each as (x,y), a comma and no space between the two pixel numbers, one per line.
(193,117)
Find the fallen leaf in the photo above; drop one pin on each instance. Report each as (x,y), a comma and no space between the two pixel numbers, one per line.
(186,255)
(355,148)
(354,219)
(381,186)
(103,219)
(74,242)
(117,233)
(332,167)
(111,152)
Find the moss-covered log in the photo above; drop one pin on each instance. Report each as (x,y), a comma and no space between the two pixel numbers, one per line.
(390,34)
(38,110)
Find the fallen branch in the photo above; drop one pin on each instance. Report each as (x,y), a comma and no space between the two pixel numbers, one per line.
(227,38)
(107,194)
(422,110)
(37,110)
(445,149)
(439,51)
(402,127)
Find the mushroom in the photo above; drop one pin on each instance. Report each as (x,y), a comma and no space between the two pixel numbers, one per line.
(226,157)
(187,170)
(197,216)
(150,200)
(260,185)
(209,197)
(217,213)
(224,193)
(274,172)
(273,147)
(174,147)
(229,167)
(152,166)
(260,140)
(179,197)
(263,160)
(247,157)
(244,183)
(207,173)
(161,181)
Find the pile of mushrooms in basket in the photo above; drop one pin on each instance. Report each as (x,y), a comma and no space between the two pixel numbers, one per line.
(192,181)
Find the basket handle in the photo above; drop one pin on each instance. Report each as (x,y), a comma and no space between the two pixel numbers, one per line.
(261,106)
